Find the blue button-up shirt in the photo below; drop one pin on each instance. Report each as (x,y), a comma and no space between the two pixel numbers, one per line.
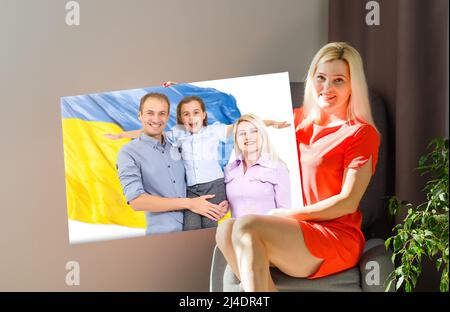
(200,151)
(145,165)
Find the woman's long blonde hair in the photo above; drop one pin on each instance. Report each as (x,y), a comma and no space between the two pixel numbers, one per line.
(359,105)
(266,146)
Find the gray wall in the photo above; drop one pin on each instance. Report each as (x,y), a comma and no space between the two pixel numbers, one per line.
(119,45)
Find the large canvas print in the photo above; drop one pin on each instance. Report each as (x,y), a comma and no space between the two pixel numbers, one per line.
(178,157)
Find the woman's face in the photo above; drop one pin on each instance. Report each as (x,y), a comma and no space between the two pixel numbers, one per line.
(248,138)
(332,85)
(192,116)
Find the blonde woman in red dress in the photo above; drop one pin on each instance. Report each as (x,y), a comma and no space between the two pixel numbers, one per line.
(338,149)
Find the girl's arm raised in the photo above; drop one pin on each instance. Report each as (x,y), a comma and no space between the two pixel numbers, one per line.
(276,124)
(133,134)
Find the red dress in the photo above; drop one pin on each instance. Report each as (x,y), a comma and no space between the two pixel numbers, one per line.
(324,153)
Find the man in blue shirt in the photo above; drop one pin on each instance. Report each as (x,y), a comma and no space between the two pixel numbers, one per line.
(152,173)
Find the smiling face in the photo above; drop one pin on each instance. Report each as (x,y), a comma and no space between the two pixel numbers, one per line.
(154,116)
(332,86)
(192,116)
(248,138)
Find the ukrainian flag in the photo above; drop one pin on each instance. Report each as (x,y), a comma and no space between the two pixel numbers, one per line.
(94,194)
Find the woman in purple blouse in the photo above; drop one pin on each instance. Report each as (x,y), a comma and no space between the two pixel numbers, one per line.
(258,180)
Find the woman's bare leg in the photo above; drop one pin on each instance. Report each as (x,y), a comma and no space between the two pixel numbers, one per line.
(261,240)
(223,240)
(253,262)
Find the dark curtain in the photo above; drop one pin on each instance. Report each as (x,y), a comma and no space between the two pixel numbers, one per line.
(406,63)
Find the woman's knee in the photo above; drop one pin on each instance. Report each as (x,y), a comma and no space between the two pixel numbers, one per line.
(246,223)
(223,232)
(245,229)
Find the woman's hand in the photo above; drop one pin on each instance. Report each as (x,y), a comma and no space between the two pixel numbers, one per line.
(224,205)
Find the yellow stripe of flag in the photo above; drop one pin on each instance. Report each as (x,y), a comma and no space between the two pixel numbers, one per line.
(94,194)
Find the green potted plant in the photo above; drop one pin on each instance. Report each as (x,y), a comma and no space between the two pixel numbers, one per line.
(424,231)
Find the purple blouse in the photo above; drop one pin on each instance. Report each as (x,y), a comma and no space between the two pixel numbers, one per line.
(263,187)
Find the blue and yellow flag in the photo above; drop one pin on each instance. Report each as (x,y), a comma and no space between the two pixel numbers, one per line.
(94,194)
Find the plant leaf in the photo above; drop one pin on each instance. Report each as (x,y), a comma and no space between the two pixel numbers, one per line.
(399,282)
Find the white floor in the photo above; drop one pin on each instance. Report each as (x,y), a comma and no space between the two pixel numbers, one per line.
(81,232)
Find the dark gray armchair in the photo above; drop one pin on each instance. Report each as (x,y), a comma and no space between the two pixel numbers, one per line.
(375,264)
